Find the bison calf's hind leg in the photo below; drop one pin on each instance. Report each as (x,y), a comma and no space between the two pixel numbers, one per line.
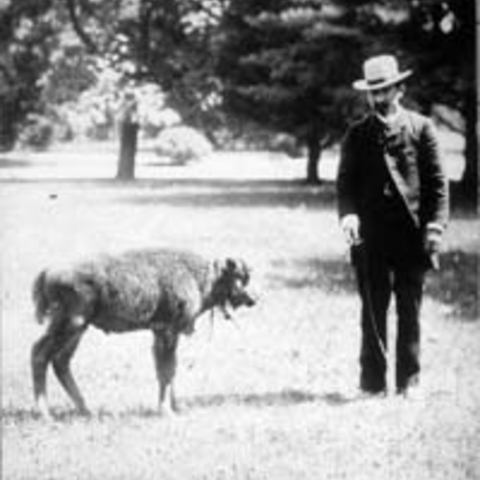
(56,347)
(165,356)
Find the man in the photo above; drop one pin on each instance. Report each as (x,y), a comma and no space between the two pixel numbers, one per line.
(393,208)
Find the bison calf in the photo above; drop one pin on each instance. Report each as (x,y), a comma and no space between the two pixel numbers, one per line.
(164,291)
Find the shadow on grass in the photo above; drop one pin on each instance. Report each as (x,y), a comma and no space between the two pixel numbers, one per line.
(284,398)
(13,163)
(201,193)
(21,416)
(236,194)
(455,285)
(331,275)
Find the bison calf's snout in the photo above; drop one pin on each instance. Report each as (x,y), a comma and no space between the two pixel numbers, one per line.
(250,300)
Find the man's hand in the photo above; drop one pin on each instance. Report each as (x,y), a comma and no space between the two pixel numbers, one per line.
(432,243)
(351,229)
(433,239)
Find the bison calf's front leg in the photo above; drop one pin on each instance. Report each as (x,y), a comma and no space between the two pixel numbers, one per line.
(165,355)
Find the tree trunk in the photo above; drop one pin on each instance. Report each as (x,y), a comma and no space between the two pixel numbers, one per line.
(467,191)
(128,150)
(469,183)
(7,124)
(128,140)
(314,151)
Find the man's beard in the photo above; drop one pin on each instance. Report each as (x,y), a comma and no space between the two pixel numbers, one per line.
(381,108)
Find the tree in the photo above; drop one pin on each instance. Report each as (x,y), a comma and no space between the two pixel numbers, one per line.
(148,41)
(128,138)
(439,36)
(289,65)
(166,43)
(436,38)
(25,33)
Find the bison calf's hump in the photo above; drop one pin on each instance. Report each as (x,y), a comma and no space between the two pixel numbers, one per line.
(130,292)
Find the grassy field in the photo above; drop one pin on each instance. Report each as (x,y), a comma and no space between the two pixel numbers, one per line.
(271,396)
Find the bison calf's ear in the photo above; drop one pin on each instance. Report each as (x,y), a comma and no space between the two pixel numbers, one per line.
(239,268)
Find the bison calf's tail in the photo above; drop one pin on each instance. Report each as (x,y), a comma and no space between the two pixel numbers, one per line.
(39,298)
(52,299)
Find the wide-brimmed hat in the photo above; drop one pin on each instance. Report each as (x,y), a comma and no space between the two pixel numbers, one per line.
(380,72)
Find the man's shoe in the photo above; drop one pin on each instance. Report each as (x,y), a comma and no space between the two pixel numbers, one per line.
(412,391)
(371,394)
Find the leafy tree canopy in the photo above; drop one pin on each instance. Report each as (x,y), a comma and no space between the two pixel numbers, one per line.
(280,64)
(51,49)
(289,64)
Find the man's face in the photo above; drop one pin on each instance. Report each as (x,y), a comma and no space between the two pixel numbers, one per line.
(384,100)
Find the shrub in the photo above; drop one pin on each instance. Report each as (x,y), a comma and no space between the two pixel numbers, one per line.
(182,144)
(37,132)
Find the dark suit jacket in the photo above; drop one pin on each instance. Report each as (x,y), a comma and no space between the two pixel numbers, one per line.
(407,157)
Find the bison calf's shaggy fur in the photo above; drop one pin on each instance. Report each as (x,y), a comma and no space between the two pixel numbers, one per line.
(163,291)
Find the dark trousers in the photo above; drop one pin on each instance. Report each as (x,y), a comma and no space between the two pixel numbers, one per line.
(389,264)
